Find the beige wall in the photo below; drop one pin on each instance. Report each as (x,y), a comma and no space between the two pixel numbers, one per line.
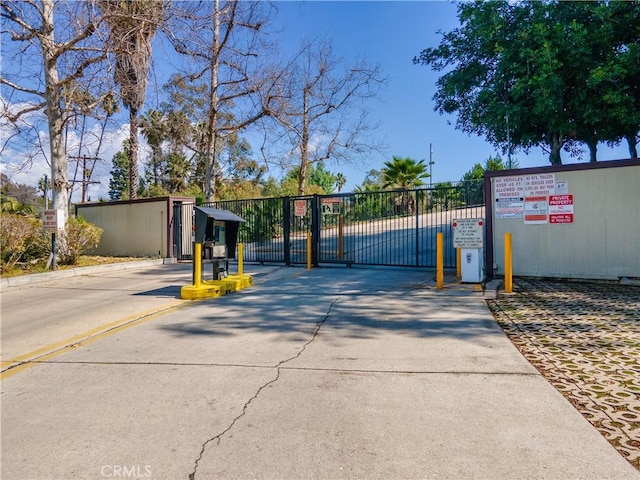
(137,228)
(603,242)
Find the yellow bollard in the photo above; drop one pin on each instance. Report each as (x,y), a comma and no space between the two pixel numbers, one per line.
(197,265)
(458,263)
(308,250)
(440,260)
(240,258)
(508,264)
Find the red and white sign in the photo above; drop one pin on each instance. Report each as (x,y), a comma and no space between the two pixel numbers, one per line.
(300,208)
(535,210)
(561,208)
(508,187)
(50,220)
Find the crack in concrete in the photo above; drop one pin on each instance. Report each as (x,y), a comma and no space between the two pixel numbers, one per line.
(278,367)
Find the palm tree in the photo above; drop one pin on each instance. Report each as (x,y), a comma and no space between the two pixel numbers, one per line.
(154,129)
(341,180)
(132,24)
(404,173)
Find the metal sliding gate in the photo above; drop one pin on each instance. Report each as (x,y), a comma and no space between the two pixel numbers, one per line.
(389,228)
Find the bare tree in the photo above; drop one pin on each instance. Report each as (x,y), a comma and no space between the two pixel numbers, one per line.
(133,24)
(324,115)
(49,62)
(226,51)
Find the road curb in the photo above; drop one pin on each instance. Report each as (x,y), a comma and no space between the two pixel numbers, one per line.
(38,278)
(491,289)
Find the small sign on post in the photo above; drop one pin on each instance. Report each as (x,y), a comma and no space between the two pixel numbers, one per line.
(468,238)
(331,206)
(50,224)
(50,221)
(300,208)
(467,233)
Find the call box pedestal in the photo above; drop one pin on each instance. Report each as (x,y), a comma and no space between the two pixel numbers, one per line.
(468,236)
(472,267)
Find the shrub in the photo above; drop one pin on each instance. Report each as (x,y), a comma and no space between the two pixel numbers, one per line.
(38,245)
(15,231)
(80,235)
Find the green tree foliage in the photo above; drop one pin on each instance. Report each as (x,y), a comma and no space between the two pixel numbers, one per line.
(119,182)
(445,196)
(319,180)
(472,180)
(563,72)
(404,173)
(154,129)
(490,165)
(372,182)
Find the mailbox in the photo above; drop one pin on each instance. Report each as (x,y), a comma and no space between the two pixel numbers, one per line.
(217,231)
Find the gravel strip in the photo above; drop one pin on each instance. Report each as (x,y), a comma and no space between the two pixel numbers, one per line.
(584,338)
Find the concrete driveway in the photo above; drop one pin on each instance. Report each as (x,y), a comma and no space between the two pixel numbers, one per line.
(328,373)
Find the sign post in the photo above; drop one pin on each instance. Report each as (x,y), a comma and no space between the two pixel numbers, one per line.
(50,224)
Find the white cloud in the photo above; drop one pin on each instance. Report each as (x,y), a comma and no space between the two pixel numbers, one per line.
(24,156)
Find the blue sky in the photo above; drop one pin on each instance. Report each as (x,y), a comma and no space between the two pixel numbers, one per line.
(391,33)
(388,33)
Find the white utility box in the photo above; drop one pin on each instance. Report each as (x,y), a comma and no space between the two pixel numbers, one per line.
(472,267)
(468,236)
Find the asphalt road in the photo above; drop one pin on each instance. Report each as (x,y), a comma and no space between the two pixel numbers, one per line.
(328,373)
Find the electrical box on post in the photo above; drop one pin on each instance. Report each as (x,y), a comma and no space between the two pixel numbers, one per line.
(468,236)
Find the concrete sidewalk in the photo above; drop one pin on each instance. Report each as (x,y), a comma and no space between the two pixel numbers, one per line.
(324,374)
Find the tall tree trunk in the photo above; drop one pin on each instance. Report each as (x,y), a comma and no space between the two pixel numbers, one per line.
(304,145)
(556,146)
(593,149)
(133,155)
(55,117)
(631,140)
(210,166)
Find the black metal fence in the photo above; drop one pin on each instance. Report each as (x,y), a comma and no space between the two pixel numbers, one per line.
(394,228)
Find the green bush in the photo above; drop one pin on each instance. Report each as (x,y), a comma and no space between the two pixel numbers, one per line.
(80,236)
(38,245)
(15,231)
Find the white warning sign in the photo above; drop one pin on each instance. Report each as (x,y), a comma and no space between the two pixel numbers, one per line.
(468,233)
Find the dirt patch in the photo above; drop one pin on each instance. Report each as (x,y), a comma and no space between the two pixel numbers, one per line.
(83,261)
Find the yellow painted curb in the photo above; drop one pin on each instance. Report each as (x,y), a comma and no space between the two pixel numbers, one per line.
(216,288)
(22,362)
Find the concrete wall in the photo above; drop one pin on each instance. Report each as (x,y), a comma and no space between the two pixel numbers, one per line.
(133,228)
(602,242)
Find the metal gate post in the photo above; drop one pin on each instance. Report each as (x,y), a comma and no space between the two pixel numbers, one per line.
(286,229)
(177,231)
(417,229)
(315,228)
